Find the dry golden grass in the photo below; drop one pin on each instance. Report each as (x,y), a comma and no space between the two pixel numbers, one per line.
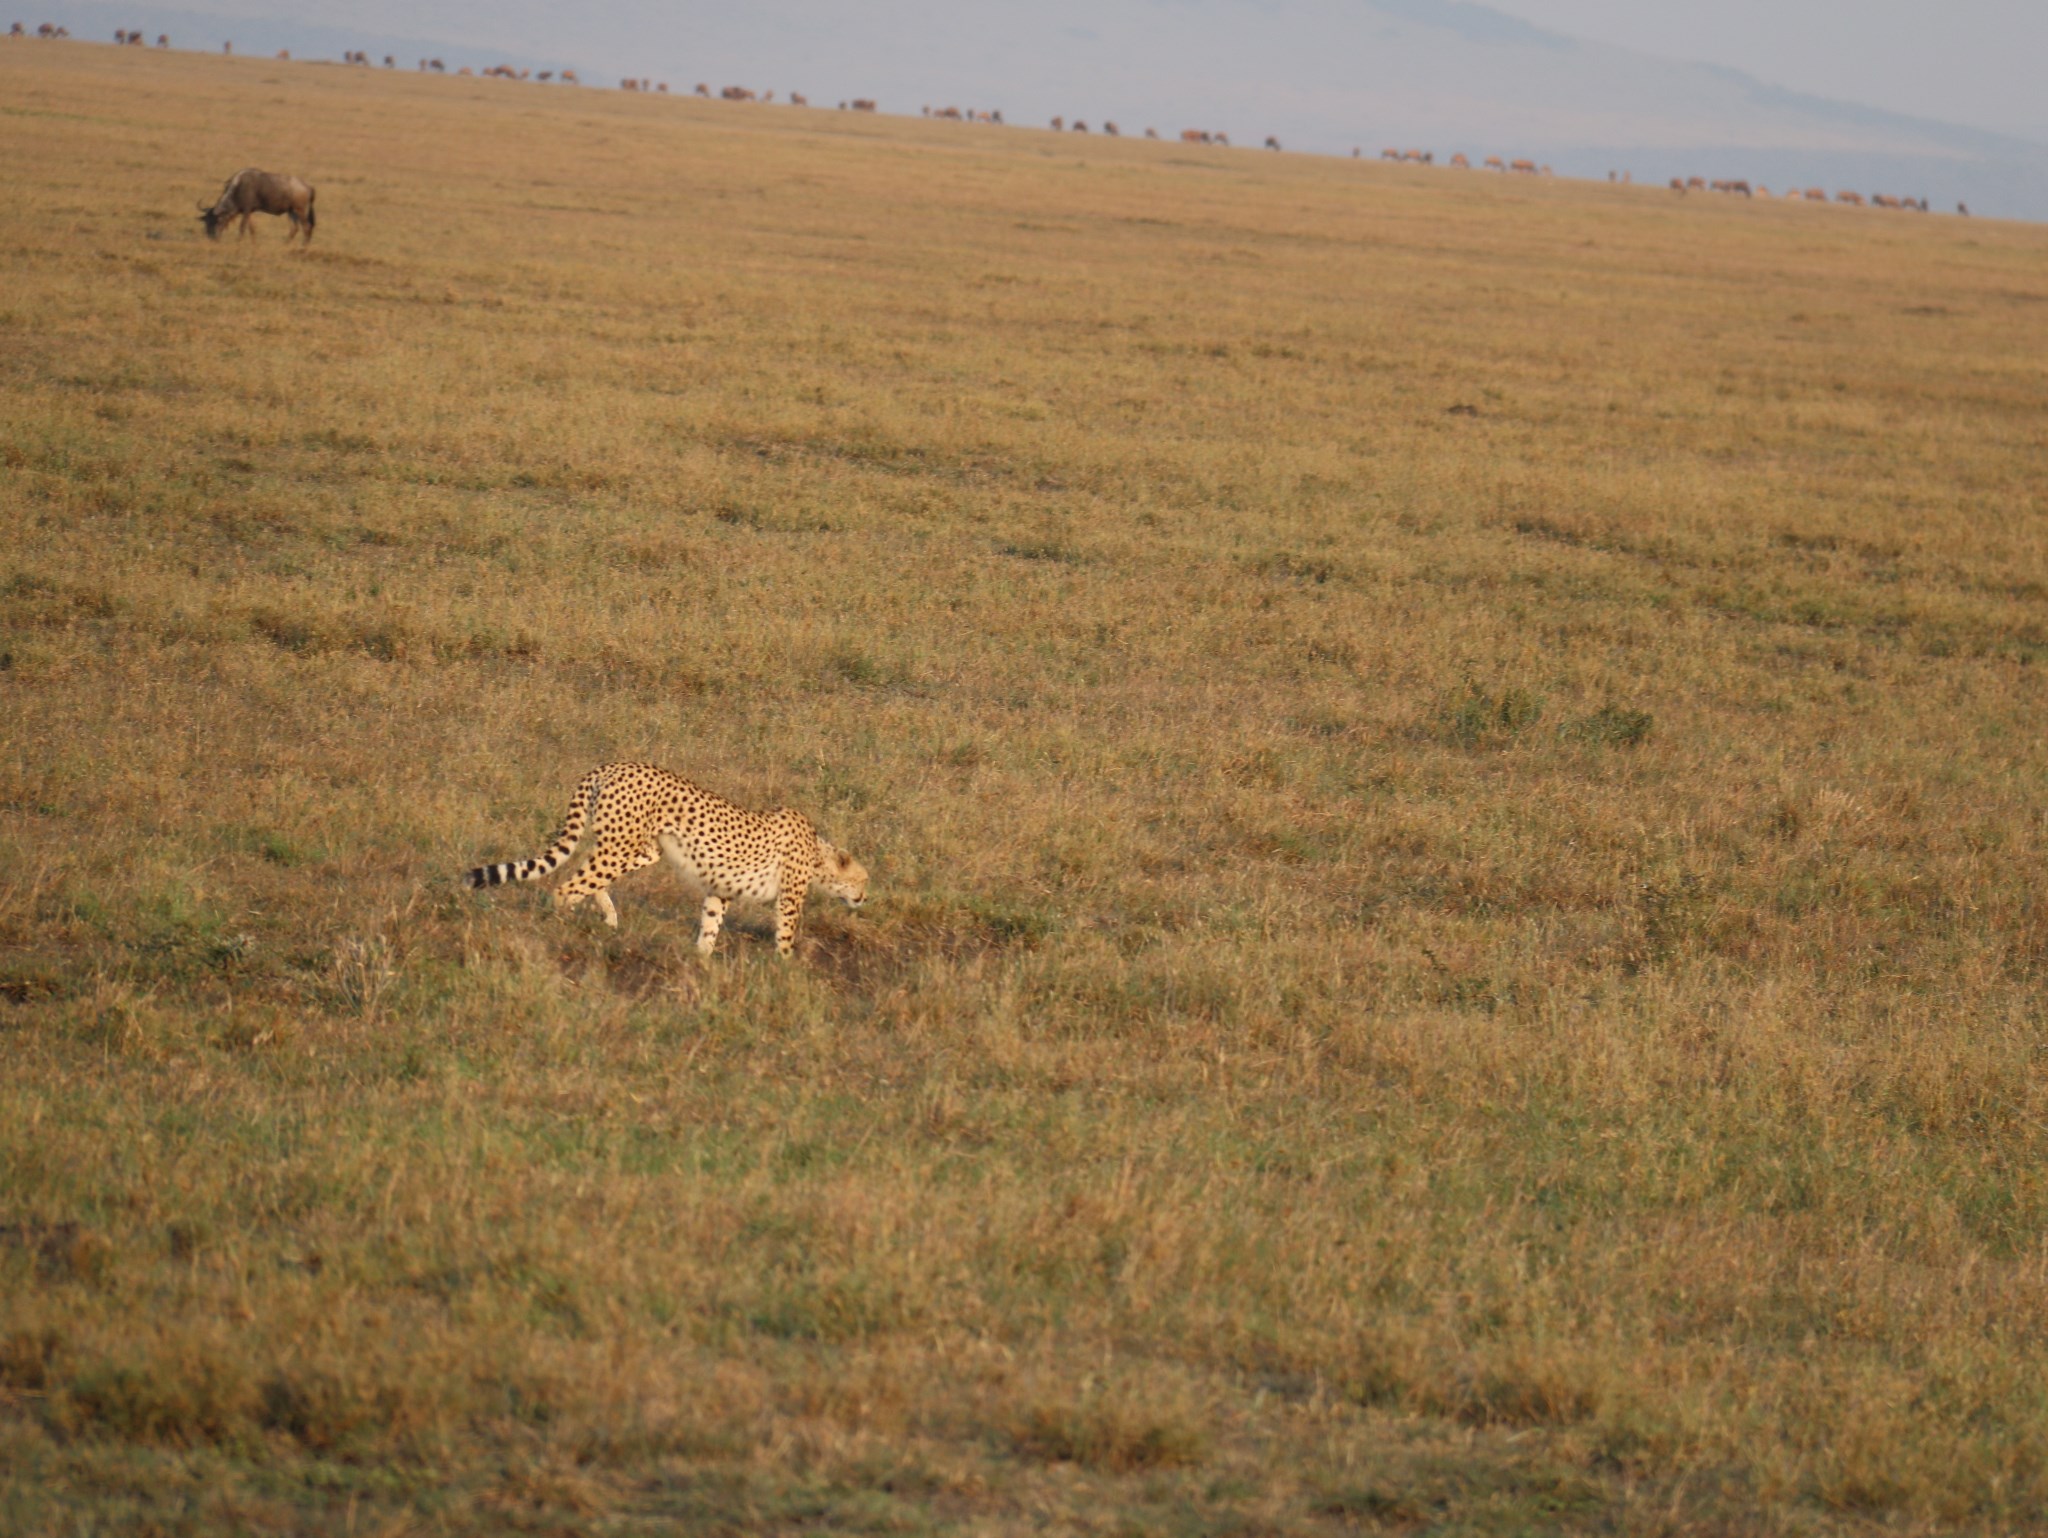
(1465,970)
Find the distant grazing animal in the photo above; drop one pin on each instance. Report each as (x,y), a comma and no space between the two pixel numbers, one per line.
(1394,155)
(163,39)
(1459,162)
(1816,195)
(1854,199)
(1079,126)
(1678,185)
(227,47)
(1272,143)
(1058,124)
(1112,130)
(1495,163)
(736,93)
(390,62)
(17,30)
(1193,136)
(1151,133)
(1220,137)
(635,814)
(798,99)
(545,76)
(285,54)
(1526,167)
(1883,200)
(569,77)
(249,192)
(863,104)
(1696,183)
(1963,209)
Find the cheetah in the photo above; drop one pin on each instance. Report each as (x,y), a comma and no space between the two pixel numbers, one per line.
(637,813)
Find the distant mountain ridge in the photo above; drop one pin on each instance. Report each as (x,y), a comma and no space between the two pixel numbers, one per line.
(1321,75)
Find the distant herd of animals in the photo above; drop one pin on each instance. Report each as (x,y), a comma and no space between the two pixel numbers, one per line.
(1742,189)
(302,215)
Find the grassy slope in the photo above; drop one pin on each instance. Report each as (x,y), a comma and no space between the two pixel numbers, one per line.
(1475,969)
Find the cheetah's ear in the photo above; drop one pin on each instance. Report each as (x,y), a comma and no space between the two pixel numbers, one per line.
(841,858)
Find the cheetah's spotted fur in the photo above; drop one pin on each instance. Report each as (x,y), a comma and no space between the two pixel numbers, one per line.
(633,814)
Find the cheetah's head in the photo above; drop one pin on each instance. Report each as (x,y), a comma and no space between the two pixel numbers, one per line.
(841,874)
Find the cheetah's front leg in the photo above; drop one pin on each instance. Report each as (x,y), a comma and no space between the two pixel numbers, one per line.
(707,926)
(789,910)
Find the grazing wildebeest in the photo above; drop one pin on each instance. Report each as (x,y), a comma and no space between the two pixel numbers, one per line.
(251,192)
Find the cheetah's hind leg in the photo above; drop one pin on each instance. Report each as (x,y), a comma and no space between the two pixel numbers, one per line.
(605,867)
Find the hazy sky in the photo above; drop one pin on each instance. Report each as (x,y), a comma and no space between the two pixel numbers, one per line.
(1975,62)
(1978,63)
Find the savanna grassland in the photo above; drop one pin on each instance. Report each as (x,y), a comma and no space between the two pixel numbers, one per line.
(1451,769)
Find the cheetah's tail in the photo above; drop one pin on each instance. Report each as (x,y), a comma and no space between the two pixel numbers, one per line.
(558,853)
